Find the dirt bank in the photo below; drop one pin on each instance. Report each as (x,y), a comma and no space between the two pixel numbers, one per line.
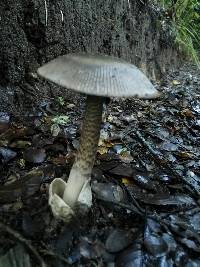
(33,32)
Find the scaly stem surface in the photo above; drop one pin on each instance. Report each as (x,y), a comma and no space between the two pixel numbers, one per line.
(82,167)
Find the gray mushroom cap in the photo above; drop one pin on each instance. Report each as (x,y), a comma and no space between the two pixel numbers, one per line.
(98,75)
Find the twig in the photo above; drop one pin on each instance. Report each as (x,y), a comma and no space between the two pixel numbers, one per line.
(160,159)
(46,12)
(54,255)
(62,15)
(26,242)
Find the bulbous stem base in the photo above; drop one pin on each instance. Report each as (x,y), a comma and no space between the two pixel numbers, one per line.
(84,161)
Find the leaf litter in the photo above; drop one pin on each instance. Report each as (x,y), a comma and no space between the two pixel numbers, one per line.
(146,181)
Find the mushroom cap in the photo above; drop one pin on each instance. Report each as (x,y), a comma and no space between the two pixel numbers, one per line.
(98,75)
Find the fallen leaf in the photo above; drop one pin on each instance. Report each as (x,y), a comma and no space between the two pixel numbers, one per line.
(6,154)
(102,150)
(35,155)
(55,129)
(175,82)
(187,113)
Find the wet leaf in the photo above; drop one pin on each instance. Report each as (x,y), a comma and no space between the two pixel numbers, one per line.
(7,154)
(61,159)
(119,148)
(195,221)
(181,257)
(198,123)
(108,192)
(128,118)
(163,200)
(145,182)
(196,108)
(104,135)
(31,182)
(102,150)
(35,155)
(70,106)
(184,154)
(56,148)
(155,245)
(14,133)
(76,144)
(114,120)
(118,239)
(16,256)
(193,263)
(11,207)
(175,82)
(21,163)
(168,146)
(20,144)
(25,186)
(74,256)
(187,113)
(133,256)
(12,178)
(124,170)
(97,174)
(190,244)
(55,129)
(165,178)
(27,225)
(163,132)
(152,226)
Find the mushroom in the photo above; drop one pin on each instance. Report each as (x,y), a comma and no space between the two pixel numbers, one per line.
(97,76)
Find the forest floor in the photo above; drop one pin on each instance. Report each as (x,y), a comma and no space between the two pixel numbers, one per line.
(146,180)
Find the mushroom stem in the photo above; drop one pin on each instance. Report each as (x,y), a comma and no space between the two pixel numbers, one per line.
(84,161)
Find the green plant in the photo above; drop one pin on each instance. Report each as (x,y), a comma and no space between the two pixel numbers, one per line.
(185,17)
(60,100)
